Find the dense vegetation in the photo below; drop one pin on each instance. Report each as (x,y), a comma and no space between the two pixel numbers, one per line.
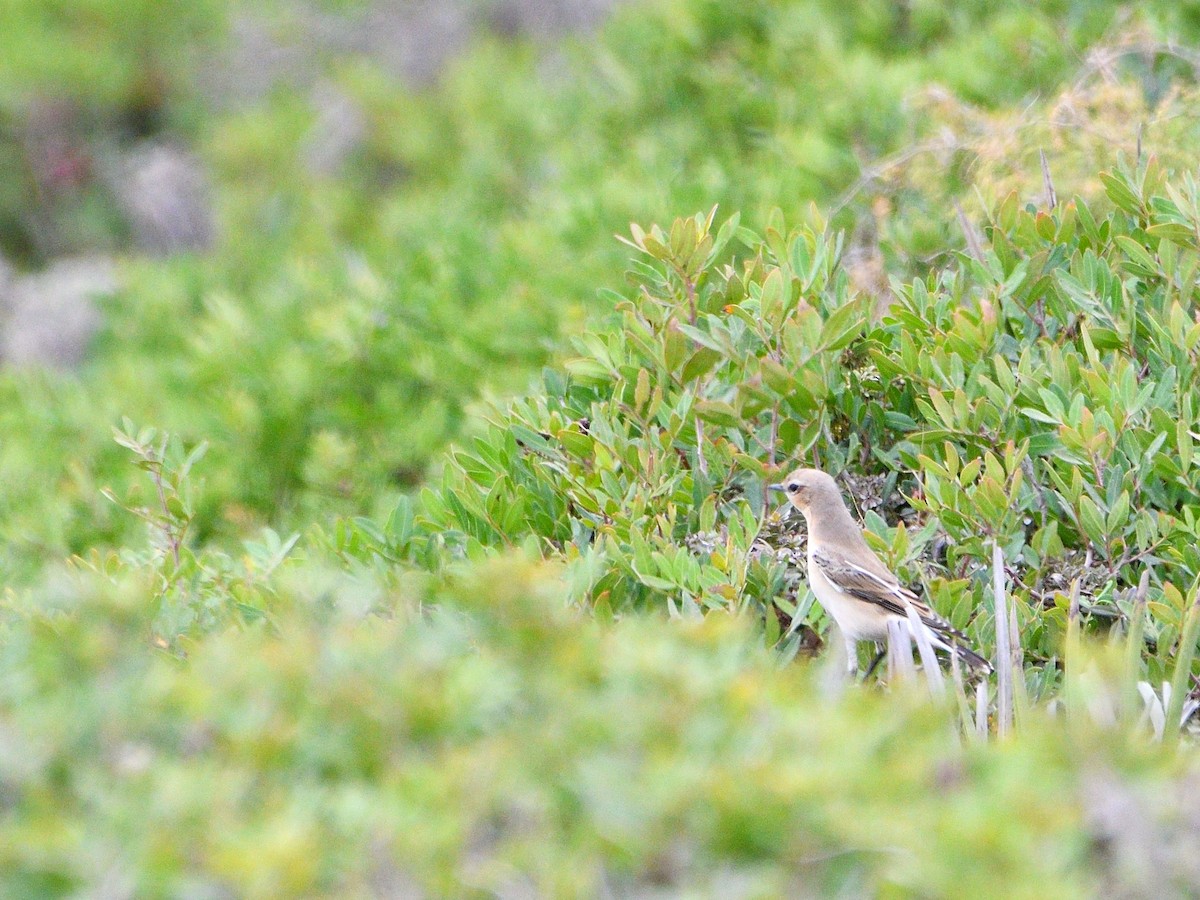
(305,648)
(329,346)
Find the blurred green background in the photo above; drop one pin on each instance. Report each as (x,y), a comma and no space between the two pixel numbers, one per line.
(332,240)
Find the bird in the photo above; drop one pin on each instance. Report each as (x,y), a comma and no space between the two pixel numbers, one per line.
(854,586)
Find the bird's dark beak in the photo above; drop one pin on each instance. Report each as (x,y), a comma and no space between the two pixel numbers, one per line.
(776,487)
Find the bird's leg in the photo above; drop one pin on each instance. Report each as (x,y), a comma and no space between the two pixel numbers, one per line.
(880,653)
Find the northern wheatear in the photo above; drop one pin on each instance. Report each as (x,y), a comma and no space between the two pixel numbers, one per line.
(855,587)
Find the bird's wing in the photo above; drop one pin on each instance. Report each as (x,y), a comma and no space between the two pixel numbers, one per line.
(882,588)
(878,587)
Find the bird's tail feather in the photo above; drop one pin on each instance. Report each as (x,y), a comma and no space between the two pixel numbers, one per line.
(973,659)
(953,641)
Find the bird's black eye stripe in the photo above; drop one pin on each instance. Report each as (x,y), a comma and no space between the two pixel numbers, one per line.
(793,487)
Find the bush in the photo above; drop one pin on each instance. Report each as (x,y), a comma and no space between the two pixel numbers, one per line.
(473,736)
(466,699)
(347,321)
(1037,396)
(562,666)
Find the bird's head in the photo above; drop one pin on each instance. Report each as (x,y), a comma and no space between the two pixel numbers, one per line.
(806,486)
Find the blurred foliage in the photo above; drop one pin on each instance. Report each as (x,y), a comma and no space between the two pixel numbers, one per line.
(79,81)
(469,735)
(975,157)
(116,55)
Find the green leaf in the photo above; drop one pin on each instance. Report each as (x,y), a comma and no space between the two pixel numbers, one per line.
(641,392)
(1175,233)
(1120,193)
(659,584)
(1118,515)
(1092,521)
(528,437)
(1015,279)
(898,421)
(588,369)
(700,364)
(843,325)
(577,444)
(655,248)
(194,457)
(1038,416)
(777,377)
(400,522)
(1139,259)
(718,412)
(774,297)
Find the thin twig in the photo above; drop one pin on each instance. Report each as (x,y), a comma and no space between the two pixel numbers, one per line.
(1135,640)
(1051,194)
(960,692)
(1099,62)
(974,245)
(774,433)
(173,540)
(886,164)
(690,286)
(1038,494)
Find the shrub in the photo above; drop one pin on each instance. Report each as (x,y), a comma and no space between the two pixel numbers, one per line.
(1038,397)
(346,322)
(473,736)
